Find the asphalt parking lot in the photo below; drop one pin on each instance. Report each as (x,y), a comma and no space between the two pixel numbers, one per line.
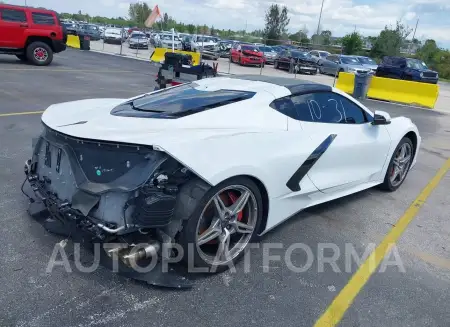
(29,296)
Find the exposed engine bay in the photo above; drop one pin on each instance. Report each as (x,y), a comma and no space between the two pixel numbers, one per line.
(112,192)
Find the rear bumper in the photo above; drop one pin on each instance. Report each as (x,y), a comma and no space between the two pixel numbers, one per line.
(58,46)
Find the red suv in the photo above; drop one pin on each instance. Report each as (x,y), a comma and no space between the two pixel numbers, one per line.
(31,34)
(246,54)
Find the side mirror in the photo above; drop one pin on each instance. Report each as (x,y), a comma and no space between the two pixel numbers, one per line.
(381,118)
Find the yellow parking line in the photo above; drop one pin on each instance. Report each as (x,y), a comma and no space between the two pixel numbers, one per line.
(21,113)
(334,313)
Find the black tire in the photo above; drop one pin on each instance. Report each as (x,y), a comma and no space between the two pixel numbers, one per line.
(34,58)
(387,184)
(22,57)
(187,237)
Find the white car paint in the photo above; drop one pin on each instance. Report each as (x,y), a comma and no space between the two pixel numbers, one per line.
(250,138)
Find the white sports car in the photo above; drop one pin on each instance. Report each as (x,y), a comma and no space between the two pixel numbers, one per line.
(214,163)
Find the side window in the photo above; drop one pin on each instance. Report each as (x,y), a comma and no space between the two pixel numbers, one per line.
(331,58)
(285,106)
(327,107)
(42,19)
(13,15)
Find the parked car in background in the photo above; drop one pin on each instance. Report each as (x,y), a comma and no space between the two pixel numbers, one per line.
(223,48)
(318,55)
(269,53)
(186,42)
(368,62)
(72,28)
(134,34)
(341,63)
(246,54)
(113,35)
(202,42)
(138,41)
(407,69)
(31,34)
(90,30)
(277,48)
(300,61)
(166,40)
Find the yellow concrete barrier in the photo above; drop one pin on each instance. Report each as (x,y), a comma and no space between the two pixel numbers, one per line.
(73,41)
(396,90)
(345,82)
(158,55)
(408,92)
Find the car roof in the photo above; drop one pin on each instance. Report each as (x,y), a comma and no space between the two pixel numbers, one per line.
(293,85)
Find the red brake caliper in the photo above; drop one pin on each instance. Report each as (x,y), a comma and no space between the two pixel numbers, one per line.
(233,199)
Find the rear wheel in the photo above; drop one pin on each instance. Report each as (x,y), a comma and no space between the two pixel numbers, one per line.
(399,165)
(39,53)
(225,221)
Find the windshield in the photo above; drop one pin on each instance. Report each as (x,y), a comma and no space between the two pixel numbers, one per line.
(114,32)
(138,36)
(187,97)
(169,37)
(301,55)
(204,39)
(266,49)
(323,54)
(416,64)
(90,27)
(249,48)
(350,61)
(367,61)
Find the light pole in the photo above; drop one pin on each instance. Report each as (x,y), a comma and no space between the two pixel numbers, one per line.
(320,17)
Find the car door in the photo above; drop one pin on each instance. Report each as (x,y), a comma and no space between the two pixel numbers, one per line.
(328,64)
(351,150)
(13,24)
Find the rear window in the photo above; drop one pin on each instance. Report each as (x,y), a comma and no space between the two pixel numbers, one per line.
(13,15)
(43,19)
(179,101)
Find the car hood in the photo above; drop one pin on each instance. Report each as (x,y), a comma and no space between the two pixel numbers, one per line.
(357,67)
(92,119)
(370,66)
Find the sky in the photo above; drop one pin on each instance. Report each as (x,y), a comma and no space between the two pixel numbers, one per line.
(368,17)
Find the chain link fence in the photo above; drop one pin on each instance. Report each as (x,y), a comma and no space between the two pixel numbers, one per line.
(225,65)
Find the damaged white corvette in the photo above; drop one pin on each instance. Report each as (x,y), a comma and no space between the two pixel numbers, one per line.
(214,163)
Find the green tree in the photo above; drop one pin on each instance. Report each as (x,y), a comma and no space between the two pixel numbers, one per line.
(428,51)
(301,37)
(390,41)
(352,43)
(326,37)
(277,21)
(139,12)
(191,28)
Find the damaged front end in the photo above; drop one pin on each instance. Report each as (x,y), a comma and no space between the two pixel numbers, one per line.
(109,193)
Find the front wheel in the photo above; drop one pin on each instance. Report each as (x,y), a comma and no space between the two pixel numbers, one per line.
(399,165)
(225,221)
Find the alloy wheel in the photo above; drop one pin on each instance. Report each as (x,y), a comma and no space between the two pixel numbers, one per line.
(401,164)
(40,54)
(226,224)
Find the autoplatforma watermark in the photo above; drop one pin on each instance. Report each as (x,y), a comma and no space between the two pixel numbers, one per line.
(297,257)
